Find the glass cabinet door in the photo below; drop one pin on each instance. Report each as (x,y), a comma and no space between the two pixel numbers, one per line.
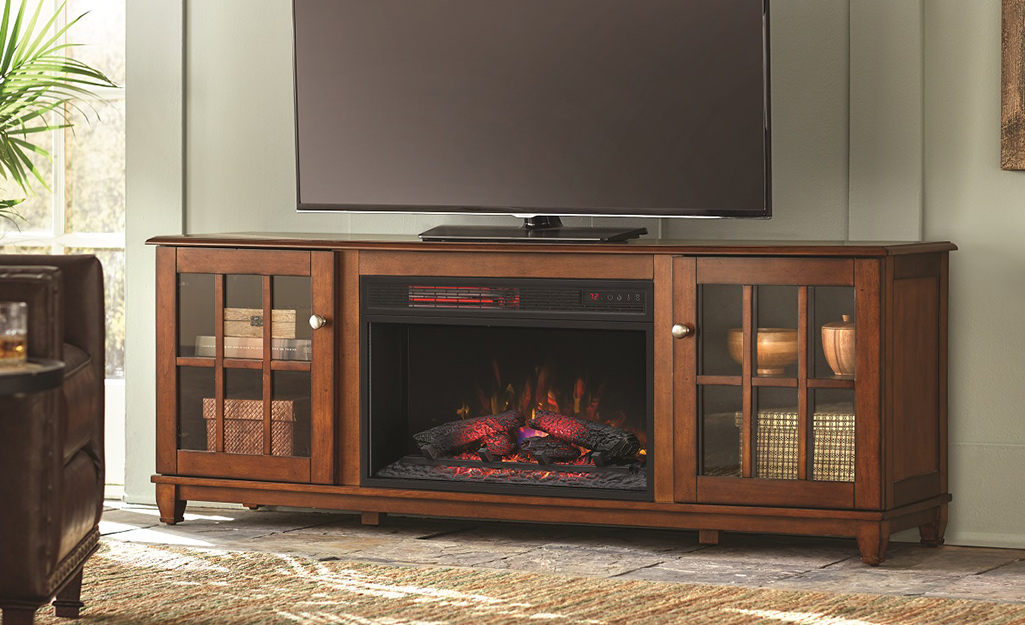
(246,362)
(775,385)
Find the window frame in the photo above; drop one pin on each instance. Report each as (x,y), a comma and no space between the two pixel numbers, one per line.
(56,238)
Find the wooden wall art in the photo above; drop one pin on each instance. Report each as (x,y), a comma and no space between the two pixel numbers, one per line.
(1012,136)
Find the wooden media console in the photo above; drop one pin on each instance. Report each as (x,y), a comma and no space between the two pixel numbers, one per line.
(827,416)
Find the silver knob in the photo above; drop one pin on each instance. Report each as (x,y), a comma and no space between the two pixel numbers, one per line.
(680,331)
(317,322)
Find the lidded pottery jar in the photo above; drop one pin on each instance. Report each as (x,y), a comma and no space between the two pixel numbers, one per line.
(838,346)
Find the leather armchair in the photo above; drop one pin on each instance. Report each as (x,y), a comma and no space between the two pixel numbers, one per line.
(51,443)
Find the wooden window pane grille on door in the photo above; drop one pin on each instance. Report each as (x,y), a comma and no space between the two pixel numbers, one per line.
(772,403)
(248,381)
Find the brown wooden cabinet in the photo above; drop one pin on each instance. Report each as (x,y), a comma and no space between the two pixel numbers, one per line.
(773,424)
(754,423)
(245,384)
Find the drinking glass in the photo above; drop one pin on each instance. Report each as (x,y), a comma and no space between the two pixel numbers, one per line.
(13,333)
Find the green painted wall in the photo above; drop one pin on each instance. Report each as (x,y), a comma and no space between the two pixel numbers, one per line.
(969,200)
(857,155)
(886,171)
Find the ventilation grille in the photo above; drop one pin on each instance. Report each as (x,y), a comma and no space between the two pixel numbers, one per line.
(420,296)
(410,295)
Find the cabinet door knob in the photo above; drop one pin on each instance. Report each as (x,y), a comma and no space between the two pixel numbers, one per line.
(680,331)
(317,322)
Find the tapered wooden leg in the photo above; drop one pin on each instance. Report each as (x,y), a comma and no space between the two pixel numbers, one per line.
(172,508)
(872,542)
(373,518)
(69,600)
(18,615)
(708,537)
(932,533)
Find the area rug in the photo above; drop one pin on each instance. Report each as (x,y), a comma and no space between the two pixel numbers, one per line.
(130,583)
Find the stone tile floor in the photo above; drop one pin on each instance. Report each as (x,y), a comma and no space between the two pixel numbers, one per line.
(664,555)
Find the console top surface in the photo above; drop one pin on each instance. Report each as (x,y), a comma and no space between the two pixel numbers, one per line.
(645,245)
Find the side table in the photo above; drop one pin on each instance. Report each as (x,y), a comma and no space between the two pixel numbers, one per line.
(34,376)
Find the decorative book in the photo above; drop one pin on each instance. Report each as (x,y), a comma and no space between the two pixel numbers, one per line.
(251,347)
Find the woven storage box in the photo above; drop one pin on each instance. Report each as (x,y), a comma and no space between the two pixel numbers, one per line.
(249,322)
(776,445)
(243,426)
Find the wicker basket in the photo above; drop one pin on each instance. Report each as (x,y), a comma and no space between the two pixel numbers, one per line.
(243,426)
(776,445)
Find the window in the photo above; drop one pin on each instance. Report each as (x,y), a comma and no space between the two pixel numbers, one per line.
(85,213)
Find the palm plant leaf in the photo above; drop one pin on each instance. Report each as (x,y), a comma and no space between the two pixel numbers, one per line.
(26,49)
(39,85)
(11,38)
(8,213)
(30,28)
(5,22)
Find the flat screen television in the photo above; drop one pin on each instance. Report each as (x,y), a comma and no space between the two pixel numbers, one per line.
(533,108)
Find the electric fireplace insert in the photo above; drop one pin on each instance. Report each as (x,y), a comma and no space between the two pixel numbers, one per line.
(533,386)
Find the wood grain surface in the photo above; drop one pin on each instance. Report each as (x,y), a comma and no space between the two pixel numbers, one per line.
(389,242)
(1012,136)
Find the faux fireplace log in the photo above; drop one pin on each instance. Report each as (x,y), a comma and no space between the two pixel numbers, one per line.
(548,449)
(454,435)
(607,440)
(497,445)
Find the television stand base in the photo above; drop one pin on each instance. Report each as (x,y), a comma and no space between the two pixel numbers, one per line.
(540,229)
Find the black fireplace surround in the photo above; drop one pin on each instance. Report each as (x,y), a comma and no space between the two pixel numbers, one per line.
(498,385)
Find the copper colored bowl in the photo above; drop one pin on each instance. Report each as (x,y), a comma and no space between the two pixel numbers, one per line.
(777,348)
(838,346)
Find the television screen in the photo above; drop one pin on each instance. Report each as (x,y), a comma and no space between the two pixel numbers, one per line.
(561,107)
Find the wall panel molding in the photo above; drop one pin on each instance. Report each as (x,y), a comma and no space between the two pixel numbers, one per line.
(155,205)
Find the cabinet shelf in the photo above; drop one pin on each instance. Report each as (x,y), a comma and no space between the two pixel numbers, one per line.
(291,365)
(195,361)
(840,383)
(736,380)
(244,363)
(774,382)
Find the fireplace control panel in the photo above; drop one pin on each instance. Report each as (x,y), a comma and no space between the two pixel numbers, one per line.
(625,300)
(611,298)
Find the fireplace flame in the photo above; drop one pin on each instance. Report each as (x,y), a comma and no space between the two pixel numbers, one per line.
(578,394)
(553,401)
(542,389)
(526,432)
(538,392)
